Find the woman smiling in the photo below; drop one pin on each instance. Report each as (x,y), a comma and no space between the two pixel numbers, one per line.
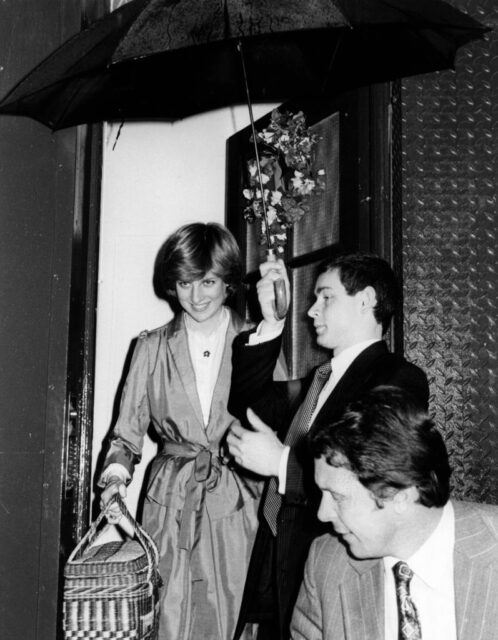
(200,512)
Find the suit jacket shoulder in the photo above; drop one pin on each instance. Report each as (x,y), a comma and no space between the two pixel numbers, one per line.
(476,570)
(372,367)
(476,531)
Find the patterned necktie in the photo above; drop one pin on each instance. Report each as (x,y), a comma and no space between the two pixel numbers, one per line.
(408,622)
(298,429)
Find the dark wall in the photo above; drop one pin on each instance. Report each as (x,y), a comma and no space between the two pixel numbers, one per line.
(36,207)
(450,238)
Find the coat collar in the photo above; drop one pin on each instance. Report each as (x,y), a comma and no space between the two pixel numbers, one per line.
(177,344)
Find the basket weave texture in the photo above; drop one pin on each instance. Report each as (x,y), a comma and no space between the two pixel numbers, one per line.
(111,590)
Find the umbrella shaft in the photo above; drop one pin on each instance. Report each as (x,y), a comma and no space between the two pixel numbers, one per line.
(256,152)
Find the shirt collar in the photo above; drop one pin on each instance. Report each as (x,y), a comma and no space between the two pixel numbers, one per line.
(435,557)
(341,362)
(218,331)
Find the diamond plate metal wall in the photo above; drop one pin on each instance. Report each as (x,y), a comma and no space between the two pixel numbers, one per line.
(450,232)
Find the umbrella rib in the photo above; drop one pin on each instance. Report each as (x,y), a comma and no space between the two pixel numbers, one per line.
(330,66)
(59,52)
(69,103)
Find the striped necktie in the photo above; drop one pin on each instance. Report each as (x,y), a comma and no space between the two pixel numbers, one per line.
(408,622)
(298,429)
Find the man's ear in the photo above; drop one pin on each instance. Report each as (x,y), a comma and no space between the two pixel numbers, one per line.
(368,298)
(404,498)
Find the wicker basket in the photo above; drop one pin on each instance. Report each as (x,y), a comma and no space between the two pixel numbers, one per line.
(111,590)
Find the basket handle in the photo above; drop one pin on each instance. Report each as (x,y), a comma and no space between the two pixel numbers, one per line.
(142,536)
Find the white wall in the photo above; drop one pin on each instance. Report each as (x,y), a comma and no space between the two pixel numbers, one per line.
(158,177)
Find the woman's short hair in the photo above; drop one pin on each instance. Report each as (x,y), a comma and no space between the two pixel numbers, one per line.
(389,442)
(360,270)
(193,250)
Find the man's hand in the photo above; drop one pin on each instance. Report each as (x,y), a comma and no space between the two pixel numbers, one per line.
(270,272)
(259,450)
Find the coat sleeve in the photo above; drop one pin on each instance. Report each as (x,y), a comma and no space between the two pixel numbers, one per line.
(253,385)
(134,416)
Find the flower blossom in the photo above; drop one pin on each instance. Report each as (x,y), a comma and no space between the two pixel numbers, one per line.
(308,186)
(271,213)
(297,180)
(275,197)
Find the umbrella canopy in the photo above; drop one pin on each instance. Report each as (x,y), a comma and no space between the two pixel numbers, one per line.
(169,59)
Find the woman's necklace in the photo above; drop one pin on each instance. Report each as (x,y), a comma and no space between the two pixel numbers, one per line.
(206,344)
(206,353)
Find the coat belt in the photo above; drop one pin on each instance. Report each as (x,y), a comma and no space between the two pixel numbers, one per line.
(206,472)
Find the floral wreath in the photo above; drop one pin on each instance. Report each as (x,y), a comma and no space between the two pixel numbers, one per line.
(286,159)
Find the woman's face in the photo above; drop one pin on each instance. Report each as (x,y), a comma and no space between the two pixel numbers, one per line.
(202,299)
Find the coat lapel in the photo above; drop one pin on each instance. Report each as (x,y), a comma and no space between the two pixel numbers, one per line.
(177,346)
(220,392)
(362,596)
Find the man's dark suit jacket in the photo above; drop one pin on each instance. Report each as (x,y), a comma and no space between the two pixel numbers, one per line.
(277,564)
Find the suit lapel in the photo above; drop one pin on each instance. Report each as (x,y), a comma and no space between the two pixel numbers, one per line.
(362,597)
(353,381)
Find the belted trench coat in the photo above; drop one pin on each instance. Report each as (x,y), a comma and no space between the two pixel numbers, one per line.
(201,512)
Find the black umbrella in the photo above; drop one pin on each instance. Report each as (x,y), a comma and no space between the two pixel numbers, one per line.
(169,59)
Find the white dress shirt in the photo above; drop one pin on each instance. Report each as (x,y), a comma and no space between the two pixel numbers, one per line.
(339,366)
(432,587)
(205,354)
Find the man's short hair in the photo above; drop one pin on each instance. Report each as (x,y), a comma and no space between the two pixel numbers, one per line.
(389,442)
(360,270)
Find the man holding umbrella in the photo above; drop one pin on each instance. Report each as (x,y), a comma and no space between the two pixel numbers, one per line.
(356,296)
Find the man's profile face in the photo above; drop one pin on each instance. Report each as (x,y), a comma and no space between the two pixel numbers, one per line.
(335,313)
(367,530)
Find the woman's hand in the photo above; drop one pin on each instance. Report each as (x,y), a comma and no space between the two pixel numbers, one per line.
(114,485)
